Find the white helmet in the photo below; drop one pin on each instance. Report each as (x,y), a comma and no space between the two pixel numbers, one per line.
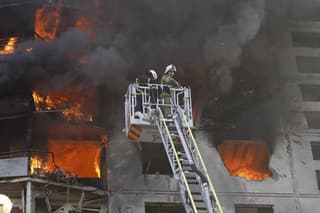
(154,74)
(170,67)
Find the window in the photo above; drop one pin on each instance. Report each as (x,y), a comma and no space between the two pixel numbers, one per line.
(318,178)
(253,208)
(306,64)
(154,159)
(305,39)
(310,92)
(313,119)
(315,148)
(164,208)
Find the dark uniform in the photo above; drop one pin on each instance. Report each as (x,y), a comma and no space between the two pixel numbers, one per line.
(168,82)
(144,80)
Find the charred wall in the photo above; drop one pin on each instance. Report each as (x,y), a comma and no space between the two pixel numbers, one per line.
(19,19)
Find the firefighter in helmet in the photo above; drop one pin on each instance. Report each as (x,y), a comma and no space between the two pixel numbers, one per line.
(168,82)
(153,91)
(150,77)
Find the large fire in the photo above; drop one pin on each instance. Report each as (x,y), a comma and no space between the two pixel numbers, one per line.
(71,104)
(80,157)
(247,159)
(47,20)
(9,46)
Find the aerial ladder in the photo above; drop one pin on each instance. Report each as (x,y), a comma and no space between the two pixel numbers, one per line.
(145,121)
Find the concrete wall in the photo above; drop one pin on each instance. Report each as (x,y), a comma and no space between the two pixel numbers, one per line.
(130,189)
(293,186)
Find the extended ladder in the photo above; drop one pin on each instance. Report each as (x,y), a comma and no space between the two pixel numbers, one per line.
(145,122)
(188,167)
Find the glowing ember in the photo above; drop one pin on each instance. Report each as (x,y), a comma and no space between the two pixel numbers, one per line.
(9,47)
(247,159)
(68,103)
(85,25)
(47,22)
(80,157)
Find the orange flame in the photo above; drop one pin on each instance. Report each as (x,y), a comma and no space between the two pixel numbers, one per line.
(74,114)
(9,47)
(97,163)
(80,157)
(47,20)
(69,103)
(247,159)
(38,166)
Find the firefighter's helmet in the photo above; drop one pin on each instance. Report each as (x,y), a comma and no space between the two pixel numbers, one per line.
(154,74)
(170,67)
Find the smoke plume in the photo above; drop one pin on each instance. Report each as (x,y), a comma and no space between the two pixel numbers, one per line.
(212,43)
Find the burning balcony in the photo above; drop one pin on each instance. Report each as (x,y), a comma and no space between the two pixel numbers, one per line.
(247,159)
(26,163)
(73,106)
(63,124)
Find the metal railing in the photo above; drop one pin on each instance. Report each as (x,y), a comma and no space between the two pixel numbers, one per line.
(39,163)
(143,99)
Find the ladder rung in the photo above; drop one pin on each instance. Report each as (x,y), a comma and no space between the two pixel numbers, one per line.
(182,154)
(201,208)
(196,193)
(182,160)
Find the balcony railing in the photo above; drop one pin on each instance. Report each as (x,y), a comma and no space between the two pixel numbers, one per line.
(26,163)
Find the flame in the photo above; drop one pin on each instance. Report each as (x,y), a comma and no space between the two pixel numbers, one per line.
(97,163)
(69,103)
(38,166)
(247,159)
(9,47)
(78,156)
(47,20)
(74,114)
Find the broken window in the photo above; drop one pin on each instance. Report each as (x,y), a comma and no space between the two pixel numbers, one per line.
(313,119)
(164,208)
(247,159)
(315,148)
(306,64)
(305,39)
(310,92)
(253,208)
(318,178)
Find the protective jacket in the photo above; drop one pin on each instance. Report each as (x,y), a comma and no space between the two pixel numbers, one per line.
(167,80)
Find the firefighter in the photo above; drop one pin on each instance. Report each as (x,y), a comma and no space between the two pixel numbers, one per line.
(150,77)
(153,79)
(168,81)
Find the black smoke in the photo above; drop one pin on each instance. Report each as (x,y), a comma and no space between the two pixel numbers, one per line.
(220,48)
